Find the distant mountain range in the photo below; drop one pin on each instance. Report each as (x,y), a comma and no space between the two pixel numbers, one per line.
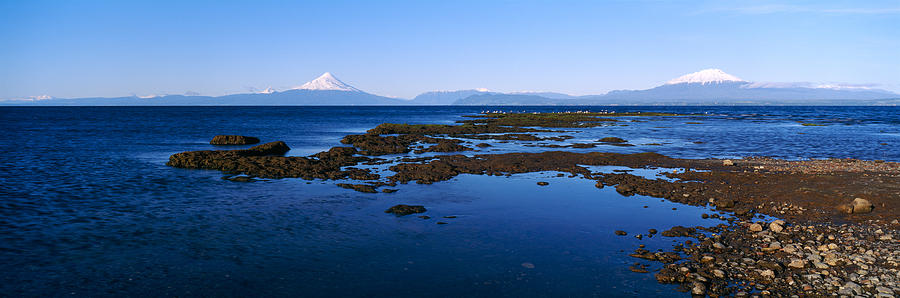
(705,87)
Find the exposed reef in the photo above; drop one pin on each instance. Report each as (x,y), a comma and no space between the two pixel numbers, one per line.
(265,161)
(837,231)
(233,140)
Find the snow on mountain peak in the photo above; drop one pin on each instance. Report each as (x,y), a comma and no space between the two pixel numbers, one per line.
(327,82)
(269,90)
(706,76)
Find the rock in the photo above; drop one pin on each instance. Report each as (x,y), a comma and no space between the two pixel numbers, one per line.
(483,145)
(239,178)
(858,206)
(612,140)
(441,223)
(861,205)
(678,231)
(797,263)
(756,227)
(845,208)
(639,268)
(698,288)
(773,246)
(727,162)
(775,227)
(625,189)
(852,287)
(768,273)
(389,190)
(724,203)
(424,217)
(528,265)
(718,273)
(789,248)
(401,209)
(233,140)
(359,187)
(831,259)
(652,231)
(543,183)
(718,245)
(620,233)
(266,161)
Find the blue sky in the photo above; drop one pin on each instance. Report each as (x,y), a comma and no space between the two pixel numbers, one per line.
(402,48)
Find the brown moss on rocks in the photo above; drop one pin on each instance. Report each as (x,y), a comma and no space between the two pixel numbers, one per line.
(560,120)
(265,161)
(402,209)
(233,140)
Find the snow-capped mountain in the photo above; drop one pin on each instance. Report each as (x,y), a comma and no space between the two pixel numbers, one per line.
(327,81)
(706,76)
(705,87)
(714,86)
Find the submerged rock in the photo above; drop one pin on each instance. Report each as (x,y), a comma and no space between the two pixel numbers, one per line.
(233,140)
(612,140)
(359,187)
(239,178)
(678,231)
(401,209)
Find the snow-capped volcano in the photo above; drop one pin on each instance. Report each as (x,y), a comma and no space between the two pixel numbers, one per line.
(706,76)
(327,82)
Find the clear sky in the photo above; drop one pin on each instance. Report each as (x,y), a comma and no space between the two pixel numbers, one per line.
(402,48)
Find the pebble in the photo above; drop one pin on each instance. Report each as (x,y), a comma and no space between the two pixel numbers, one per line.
(756,227)
(797,263)
(775,227)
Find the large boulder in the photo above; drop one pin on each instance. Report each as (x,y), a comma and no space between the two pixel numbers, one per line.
(858,206)
(861,205)
(233,140)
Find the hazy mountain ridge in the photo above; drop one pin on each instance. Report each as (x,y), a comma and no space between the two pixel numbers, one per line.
(705,87)
(444,97)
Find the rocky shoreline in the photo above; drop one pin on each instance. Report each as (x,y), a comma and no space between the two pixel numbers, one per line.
(826,241)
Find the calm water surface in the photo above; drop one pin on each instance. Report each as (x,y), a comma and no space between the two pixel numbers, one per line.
(87,206)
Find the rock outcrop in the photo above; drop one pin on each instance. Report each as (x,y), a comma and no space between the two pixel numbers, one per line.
(233,140)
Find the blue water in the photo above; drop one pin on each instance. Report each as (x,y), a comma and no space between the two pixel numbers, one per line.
(87,206)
